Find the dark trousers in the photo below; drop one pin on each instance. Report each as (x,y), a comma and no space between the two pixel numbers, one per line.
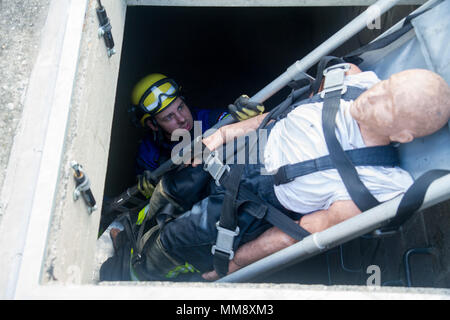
(190,237)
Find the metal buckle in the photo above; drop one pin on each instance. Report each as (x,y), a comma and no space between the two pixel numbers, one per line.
(334,78)
(280,177)
(225,240)
(215,167)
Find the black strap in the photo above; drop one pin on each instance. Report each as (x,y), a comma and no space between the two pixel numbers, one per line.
(359,193)
(371,156)
(302,90)
(413,198)
(353,57)
(351,94)
(228,216)
(274,216)
(284,107)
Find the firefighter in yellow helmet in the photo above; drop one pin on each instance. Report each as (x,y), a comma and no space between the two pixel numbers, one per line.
(157,105)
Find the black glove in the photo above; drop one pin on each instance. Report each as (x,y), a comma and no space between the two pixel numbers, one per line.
(146,184)
(243,109)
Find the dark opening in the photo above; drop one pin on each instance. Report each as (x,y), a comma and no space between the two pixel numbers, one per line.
(217,54)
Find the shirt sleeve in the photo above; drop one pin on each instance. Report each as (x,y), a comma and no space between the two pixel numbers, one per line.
(148,156)
(210,117)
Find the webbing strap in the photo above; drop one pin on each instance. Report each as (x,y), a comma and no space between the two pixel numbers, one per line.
(228,218)
(413,198)
(227,227)
(371,156)
(275,216)
(354,57)
(359,193)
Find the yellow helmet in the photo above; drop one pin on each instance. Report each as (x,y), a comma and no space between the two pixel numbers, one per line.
(151,95)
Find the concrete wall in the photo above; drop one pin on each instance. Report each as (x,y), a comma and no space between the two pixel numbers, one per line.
(23,176)
(74,79)
(87,142)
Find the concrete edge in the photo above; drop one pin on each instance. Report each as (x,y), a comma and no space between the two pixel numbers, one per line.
(34,163)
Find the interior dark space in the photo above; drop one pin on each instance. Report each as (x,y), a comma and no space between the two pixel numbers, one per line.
(217,54)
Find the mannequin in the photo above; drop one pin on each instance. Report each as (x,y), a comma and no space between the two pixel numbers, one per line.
(410,104)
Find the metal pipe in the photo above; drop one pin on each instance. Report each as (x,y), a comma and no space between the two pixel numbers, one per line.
(407,264)
(350,229)
(352,28)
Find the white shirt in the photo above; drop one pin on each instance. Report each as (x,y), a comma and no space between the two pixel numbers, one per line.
(299,137)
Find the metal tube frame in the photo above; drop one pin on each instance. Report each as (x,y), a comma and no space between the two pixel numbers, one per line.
(352,28)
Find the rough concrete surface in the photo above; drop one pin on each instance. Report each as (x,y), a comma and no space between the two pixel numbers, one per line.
(21,23)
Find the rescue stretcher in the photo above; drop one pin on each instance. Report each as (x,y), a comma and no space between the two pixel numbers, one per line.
(421,40)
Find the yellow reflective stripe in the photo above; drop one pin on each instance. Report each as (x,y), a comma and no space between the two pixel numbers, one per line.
(142,214)
(185,268)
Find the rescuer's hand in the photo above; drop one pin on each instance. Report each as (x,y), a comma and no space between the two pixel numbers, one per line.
(145,184)
(243,109)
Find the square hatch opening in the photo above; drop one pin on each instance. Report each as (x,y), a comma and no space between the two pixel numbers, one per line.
(216,54)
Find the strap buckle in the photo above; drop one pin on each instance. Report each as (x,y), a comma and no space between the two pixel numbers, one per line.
(215,167)
(280,177)
(334,78)
(225,240)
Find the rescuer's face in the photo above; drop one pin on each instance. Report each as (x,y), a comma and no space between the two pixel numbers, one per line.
(176,116)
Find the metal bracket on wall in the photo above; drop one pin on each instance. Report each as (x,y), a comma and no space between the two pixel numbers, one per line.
(83,187)
(105,29)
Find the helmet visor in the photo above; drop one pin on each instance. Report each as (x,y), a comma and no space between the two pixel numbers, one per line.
(158,96)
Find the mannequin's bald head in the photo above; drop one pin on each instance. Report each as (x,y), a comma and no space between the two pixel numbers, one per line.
(410,104)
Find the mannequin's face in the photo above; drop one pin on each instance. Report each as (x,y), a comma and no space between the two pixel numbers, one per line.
(375,106)
(409,104)
(375,110)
